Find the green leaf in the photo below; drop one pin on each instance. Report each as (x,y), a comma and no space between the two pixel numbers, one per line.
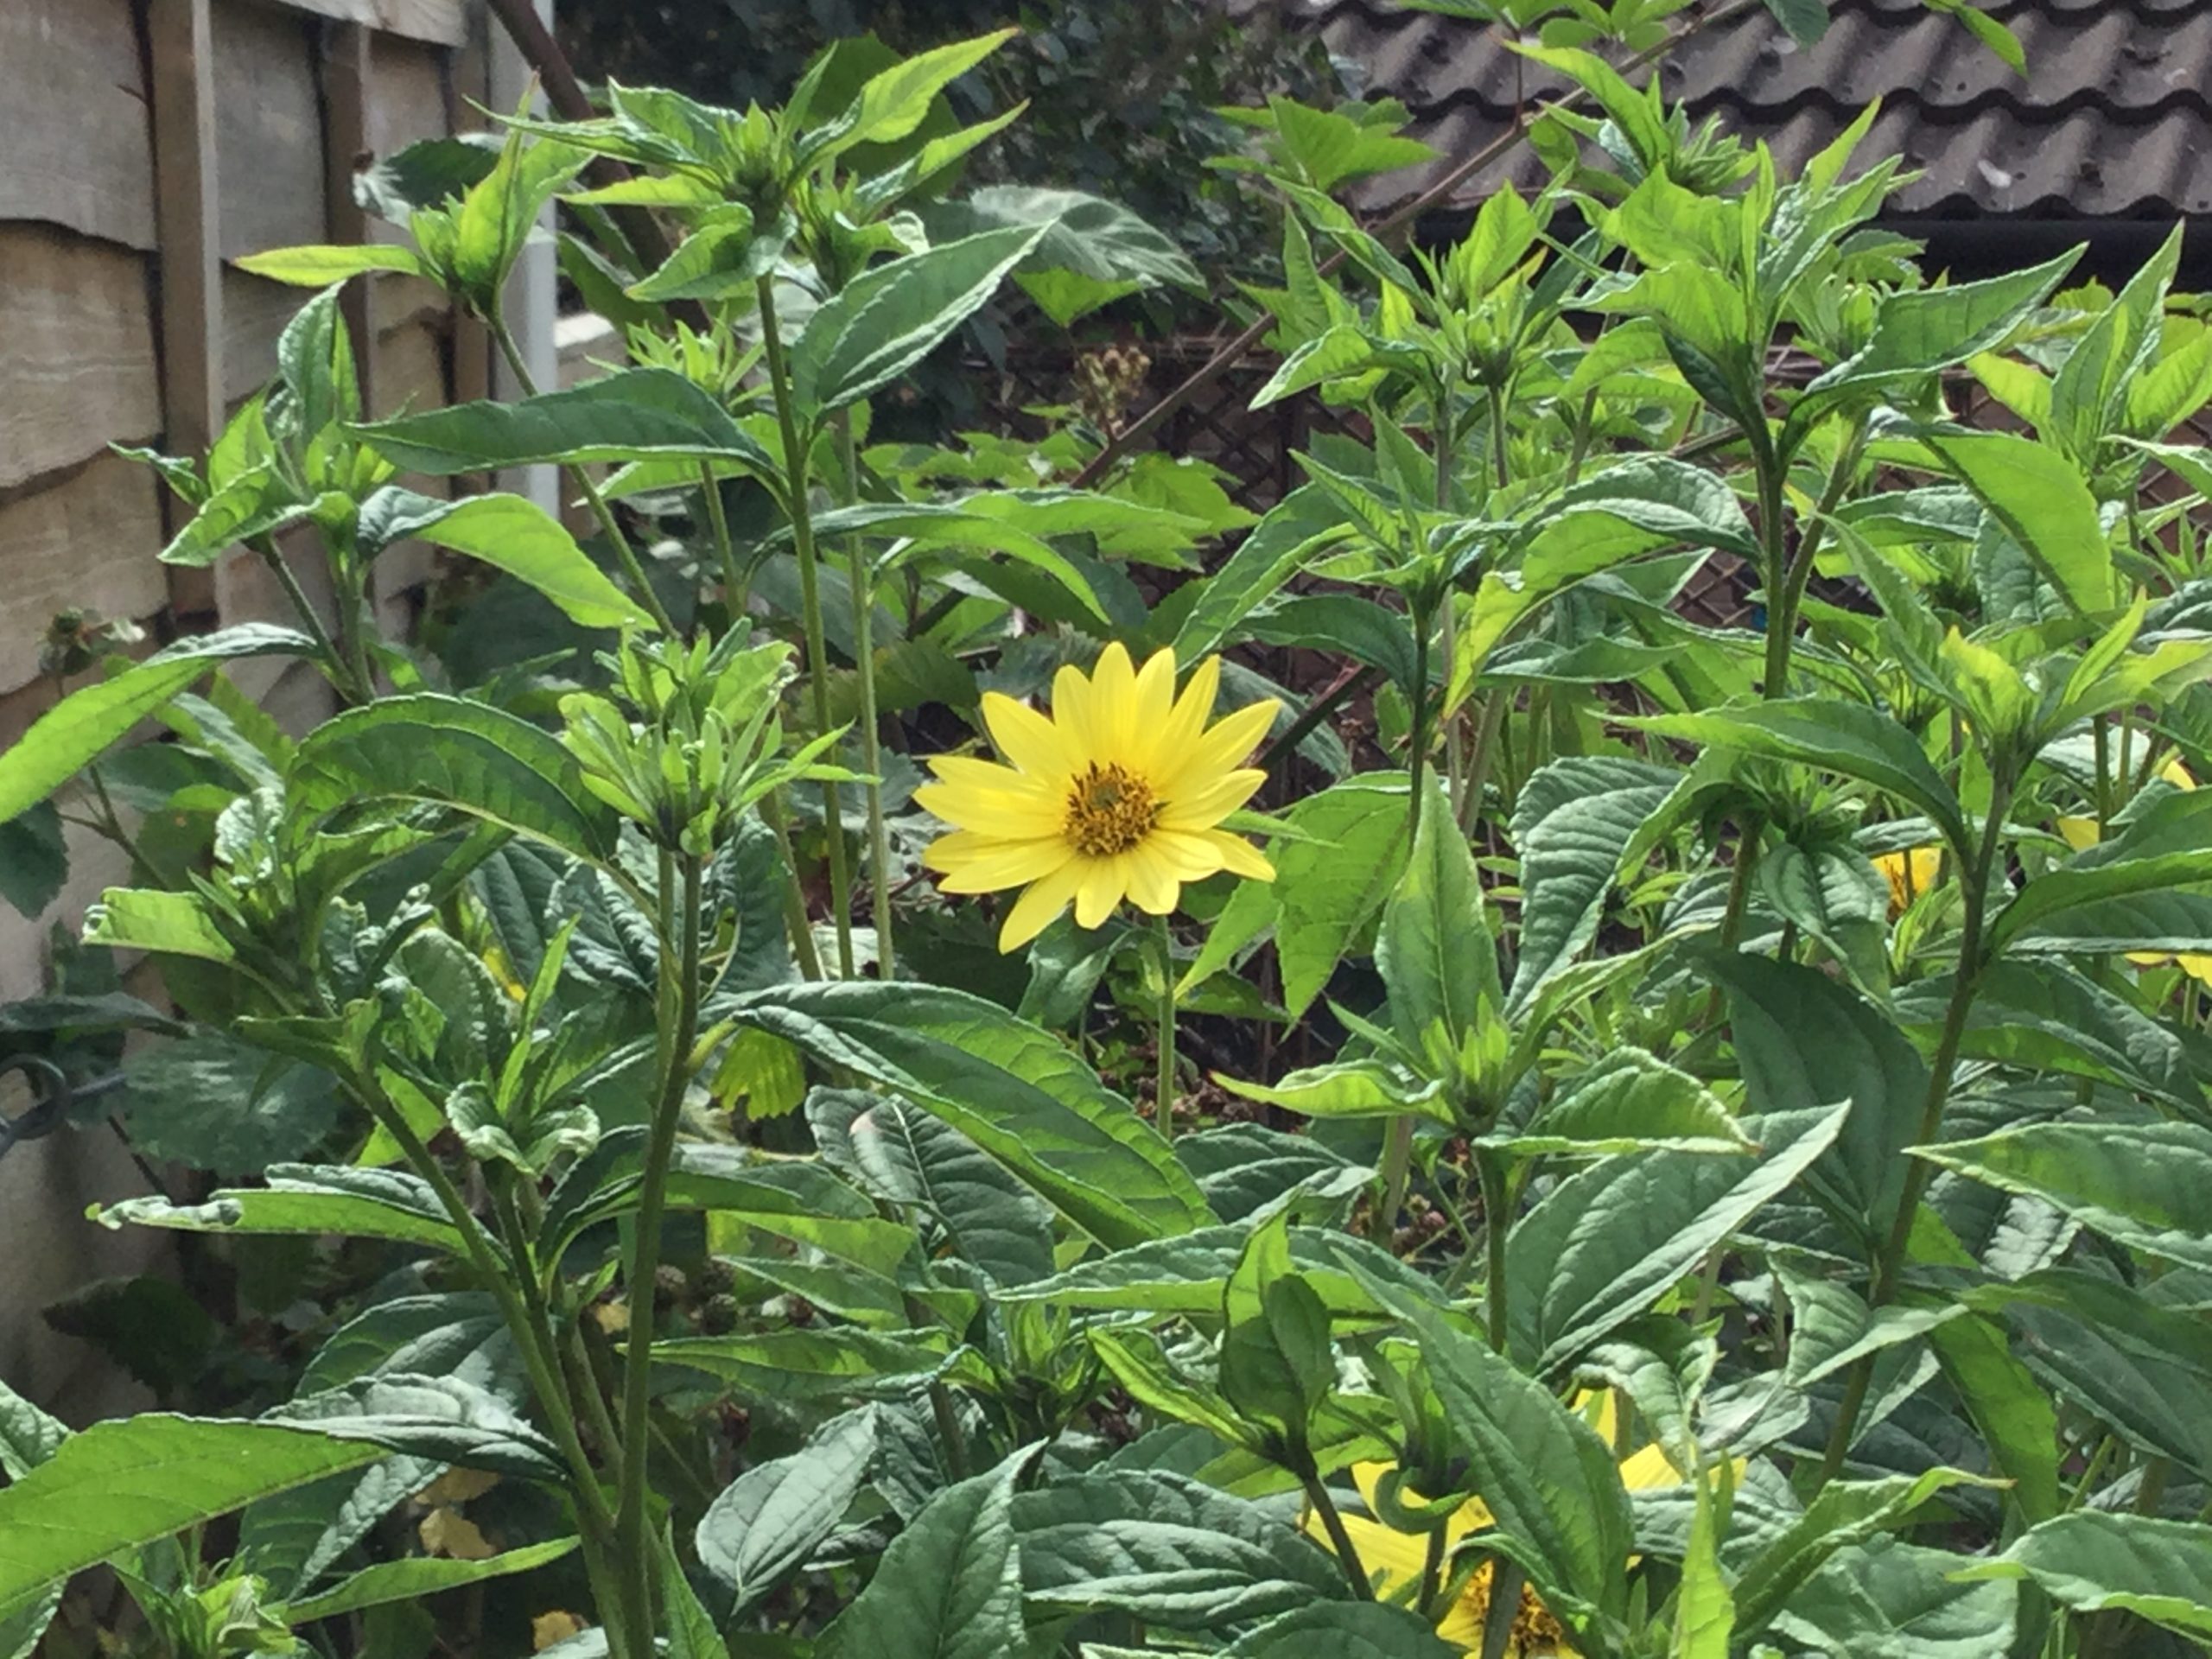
(950,1586)
(1343,1631)
(1832,891)
(2042,1016)
(996,1223)
(893,104)
(2015,1416)
(2144,1369)
(1277,1363)
(147,918)
(2091,1561)
(444,1418)
(1572,823)
(33,859)
(1084,235)
(1433,947)
(420,1576)
(1164,1549)
(28,1436)
(1352,1089)
(1843,737)
(1630,1101)
(82,726)
(768,1523)
(2039,498)
(889,318)
(2143,1184)
(1807,20)
(458,752)
(1550,1482)
(520,538)
(2164,846)
(320,266)
(820,1361)
(1357,830)
(632,415)
(129,1482)
(1190,1276)
(307,1199)
(1803,1041)
(1605,1244)
(1845,1513)
(1012,1088)
(219,1104)
(1895,1601)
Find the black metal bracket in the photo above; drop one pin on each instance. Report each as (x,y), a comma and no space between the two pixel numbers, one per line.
(51,1097)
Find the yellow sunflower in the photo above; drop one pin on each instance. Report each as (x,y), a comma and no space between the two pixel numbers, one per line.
(1910,874)
(1117,793)
(2081,834)
(1396,1560)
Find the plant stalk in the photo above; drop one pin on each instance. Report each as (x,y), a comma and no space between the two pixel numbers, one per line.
(879,833)
(734,594)
(818,650)
(1888,1264)
(632,566)
(1348,1560)
(1163,1091)
(1497,1223)
(678,1001)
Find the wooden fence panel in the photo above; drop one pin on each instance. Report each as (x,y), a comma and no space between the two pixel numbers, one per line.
(74,90)
(77,363)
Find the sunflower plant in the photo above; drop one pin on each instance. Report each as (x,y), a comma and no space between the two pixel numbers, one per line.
(1665,1140)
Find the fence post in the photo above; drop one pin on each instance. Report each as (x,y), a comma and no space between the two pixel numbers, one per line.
(180,41)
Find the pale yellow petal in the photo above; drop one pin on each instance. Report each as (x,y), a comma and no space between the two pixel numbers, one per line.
(1225,747)
(1153,886)
(1010,865)
(1154,702)
(1104,881)
(2176,774)
(1000,814)
(1650,1469)
(1034,911)
(982,774)
(1032,743)
(1208,805)
(961,847)
(1193,709)
(1240,856)
(1191,857)
(1114,704)
(2198,968)
(2079,833)
(1074,711)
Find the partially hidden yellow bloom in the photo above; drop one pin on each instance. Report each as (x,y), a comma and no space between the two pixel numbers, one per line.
(1394,1561)
(2081,833)
(1117,793)
(1910,874)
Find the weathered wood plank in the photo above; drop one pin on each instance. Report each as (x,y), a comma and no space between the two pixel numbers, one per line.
(348,83)
(255,311)
(77,367)
(268,128)
(412,95)
(408,370)
(73,95)
(86,543)
(441,22)
(179,37)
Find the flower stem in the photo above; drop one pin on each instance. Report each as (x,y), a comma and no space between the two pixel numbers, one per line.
(725,555)
(608,523)
(879,833)
(678,1002)
(797,923)
(1497,1223)
(1317,1494)
(818,650)
(1164,1080)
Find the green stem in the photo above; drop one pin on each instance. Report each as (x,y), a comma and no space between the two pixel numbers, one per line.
(1497,1222)
(678,1001)
(1888,1264)
(1398,1142)
(1506,1579)
(351,685)
(1164,1085)
(1455,756)
(797,922)
(599,510)
(1782,623)
(1348,1560)
(878,833)
(1774,576)
(2101,733)
(725,554)
(796,482)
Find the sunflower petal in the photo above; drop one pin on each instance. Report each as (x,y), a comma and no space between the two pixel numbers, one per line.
(1034,911)
(1104,882)
(1192,857)
(1153,886)
(1239,856)
(1207,805)
(1220,750)
(1114,704)
(1154,704)
(1036,746)
(1013,864)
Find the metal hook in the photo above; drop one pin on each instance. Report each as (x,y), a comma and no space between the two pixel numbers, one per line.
(51,1098)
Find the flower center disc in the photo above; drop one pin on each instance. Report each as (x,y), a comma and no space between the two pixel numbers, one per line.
(1110,810)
